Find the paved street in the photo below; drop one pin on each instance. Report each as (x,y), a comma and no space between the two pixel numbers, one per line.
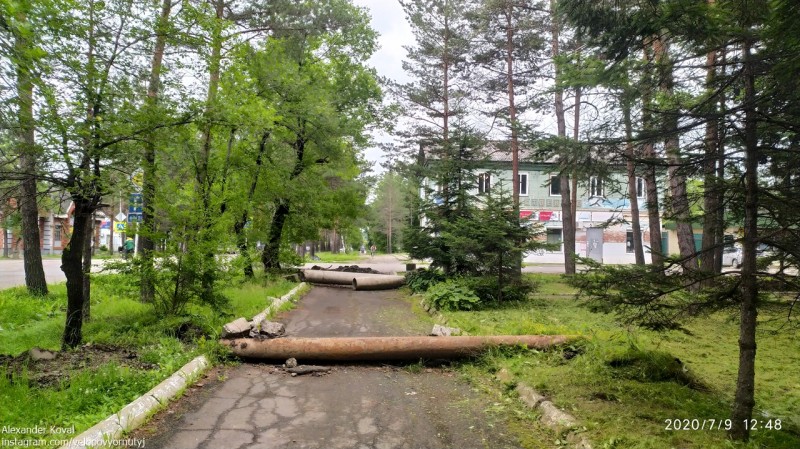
(355,406)
(12,271)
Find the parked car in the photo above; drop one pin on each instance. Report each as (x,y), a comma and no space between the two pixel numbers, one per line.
(764,250)
(732,256)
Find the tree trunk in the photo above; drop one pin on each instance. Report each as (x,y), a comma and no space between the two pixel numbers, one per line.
(512,115)
(679,200)
(744,400)
(87,269)
(146,244)
(28,205)
(650,178)
(239,225)
(567,216)
(270,256)
(72,266)
(630,154)
(712,197)
(720,211)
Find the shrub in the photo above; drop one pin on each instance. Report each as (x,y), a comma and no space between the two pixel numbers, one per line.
(488,289)
(451,295)
(421,280)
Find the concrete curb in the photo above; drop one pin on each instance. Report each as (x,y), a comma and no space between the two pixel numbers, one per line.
(136,413)
(552,416)
(277,303)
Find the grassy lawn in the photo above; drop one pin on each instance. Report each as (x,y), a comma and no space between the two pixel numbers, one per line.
(329,257)
(624,382)
(83,395)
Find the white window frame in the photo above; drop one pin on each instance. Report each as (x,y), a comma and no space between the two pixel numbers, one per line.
(593,187)
(526,177)
(57,232)
(484,183)
(643,190)
(550,187)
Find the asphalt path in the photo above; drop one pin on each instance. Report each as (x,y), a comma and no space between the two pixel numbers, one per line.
(353,406)
(12,271)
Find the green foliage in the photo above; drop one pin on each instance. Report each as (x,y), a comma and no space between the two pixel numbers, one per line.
(421,279)
(390,211)
(119,320)
(650,366)
(490,290)
(658,300)
(622,381)
(329,257)
(451,294)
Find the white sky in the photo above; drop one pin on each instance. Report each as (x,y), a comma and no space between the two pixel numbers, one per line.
(389,20)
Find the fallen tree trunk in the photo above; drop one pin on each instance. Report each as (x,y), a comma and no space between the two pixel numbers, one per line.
(384,348)
(331,277)
(358,281)
(384,282)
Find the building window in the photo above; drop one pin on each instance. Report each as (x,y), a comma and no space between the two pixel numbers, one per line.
(523,183)
(629,240)
(484,182)
(555,186)
(640,190)
(595,187)
(57,233)
(554,236)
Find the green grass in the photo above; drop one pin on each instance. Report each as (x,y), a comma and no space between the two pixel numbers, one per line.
(118,319)
(328,257)
(626,381)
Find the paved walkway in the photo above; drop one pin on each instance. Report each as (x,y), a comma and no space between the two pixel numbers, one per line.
(354,406)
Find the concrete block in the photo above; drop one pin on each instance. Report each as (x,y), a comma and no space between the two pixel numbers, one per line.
(236,329)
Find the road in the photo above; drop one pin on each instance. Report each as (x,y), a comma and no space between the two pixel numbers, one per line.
(354,406)
(12,271)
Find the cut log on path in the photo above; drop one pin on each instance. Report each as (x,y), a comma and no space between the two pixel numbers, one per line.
(384,282)
(358,281)
(332,277)
(384,348)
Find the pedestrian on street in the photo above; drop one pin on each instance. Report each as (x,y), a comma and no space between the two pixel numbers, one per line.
(129,245)
(372,250)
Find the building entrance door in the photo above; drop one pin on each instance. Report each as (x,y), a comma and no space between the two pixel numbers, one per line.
(594,244)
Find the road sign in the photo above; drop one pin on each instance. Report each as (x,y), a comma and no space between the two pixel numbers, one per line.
(120,217)
(134,217)
(135,204)
(119,226)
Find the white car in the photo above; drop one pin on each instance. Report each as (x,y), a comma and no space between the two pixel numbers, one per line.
(732,256)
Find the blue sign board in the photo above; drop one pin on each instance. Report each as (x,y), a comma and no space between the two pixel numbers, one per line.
(134,217)
(135,204)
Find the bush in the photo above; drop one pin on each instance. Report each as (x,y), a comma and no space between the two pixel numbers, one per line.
(451,295)
(488,290)
(103,248)
(421,280)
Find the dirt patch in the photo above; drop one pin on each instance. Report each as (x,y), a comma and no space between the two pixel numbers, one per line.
(41,368)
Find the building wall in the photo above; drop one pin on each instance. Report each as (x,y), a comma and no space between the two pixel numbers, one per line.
(610,212)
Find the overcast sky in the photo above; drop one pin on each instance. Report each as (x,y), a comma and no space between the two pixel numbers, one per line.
(389,20)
